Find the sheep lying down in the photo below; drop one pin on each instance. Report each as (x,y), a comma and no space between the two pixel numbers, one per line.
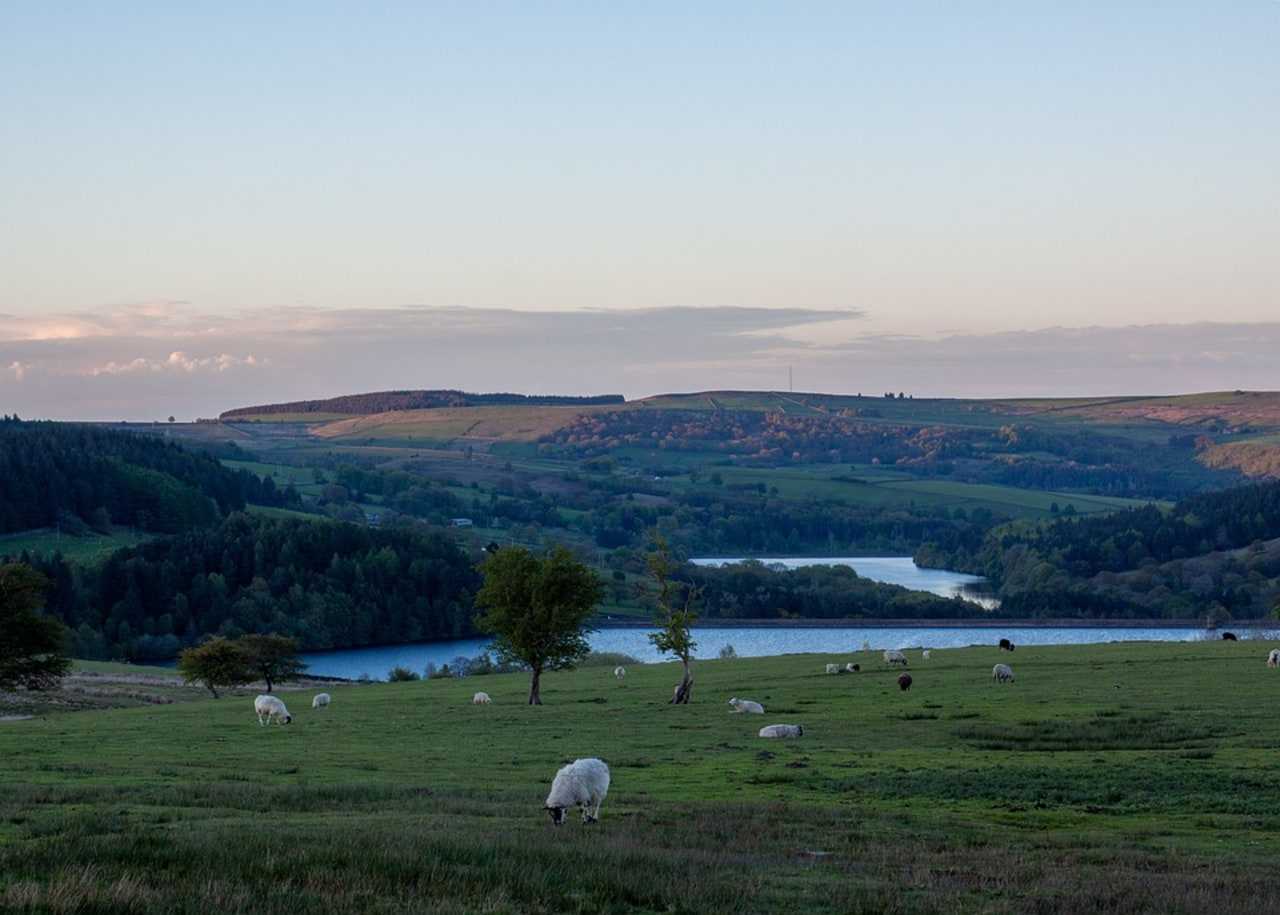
(782,731)
(583,783)
(747,706)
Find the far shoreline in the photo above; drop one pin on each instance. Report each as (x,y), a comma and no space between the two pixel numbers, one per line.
(946,624)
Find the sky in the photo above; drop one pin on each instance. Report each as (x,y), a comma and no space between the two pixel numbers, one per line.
(241,203)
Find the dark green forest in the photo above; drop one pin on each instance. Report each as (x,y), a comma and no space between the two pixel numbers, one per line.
(75,475)
(327,584)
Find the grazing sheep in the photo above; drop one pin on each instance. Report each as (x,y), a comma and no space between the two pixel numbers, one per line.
(269,708)
(583,783)
(833,668)
(1006,645)
(904,682)
(320,701)
(481,698)
(619,672)
(1273,659)
(852,668)
(892,657)
(746,705)
(1002,673)
(925,654)
(1229,637)
(782,731)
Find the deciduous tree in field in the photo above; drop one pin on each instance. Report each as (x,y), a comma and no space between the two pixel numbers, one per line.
(217,663)
(274,658)
(32,645)
(537,609)
(674,619)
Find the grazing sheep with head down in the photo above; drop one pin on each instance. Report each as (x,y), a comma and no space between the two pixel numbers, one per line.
(583,783)
(269,708)
(1006,645)
(892,656)
(1002,673)
(320,701)
(481,698)
(782,731)
(746,705)
(1273,659)
(904,682)
(1229,637)
(852,668)
(619,672)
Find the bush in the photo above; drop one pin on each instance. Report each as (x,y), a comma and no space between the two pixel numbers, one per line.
(402,675)
(727,653)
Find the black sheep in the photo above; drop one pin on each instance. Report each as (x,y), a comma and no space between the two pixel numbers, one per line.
(1006,645)
(1229,637)
(904,682)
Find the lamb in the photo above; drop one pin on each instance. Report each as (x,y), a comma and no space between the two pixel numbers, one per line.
(746,705)
(925,654)
(481,698)
(1006,645)
(1273,659)
(833,668)
(320,701)
(782,731)
(904,682)
(1002,673)
(269,708)
(892,657)
(583,783)
(619,672)
(852,668)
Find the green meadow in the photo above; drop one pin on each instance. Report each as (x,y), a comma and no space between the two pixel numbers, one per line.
(1116,778)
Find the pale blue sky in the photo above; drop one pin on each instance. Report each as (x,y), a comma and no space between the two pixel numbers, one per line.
(940,168)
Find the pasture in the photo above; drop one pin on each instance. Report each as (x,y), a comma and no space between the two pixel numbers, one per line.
(1116,778)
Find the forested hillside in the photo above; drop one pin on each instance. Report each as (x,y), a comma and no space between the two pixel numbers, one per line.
(326,583)
(71,474)
(385,401)
(1211,554)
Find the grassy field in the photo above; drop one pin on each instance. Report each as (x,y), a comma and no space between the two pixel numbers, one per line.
(1120,778)
(89,548)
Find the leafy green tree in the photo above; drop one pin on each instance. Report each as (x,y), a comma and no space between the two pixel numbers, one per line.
(537,609)
(32,645)
(273,657)
(219,662)
(674,618)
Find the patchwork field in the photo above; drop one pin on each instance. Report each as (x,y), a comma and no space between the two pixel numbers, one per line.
(1118,778)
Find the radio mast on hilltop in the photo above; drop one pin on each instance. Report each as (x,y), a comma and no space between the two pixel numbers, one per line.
(790,382)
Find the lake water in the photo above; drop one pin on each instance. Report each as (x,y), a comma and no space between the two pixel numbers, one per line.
(750,642)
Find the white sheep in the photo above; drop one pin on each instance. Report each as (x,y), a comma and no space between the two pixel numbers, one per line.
(746,705)
(619,672)
(783,731)
(583,783)
(320,701)
(1273,659)
(269,708)
(833,668)
(925,654)
(1002,673)
(892,656)
(481,698)
(852,668)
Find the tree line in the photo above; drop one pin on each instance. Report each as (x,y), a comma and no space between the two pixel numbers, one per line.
(81,476)
(327,584)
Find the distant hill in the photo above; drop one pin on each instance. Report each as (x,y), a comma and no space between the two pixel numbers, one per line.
(387,401)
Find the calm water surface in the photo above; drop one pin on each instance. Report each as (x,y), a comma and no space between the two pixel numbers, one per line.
(893,570)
